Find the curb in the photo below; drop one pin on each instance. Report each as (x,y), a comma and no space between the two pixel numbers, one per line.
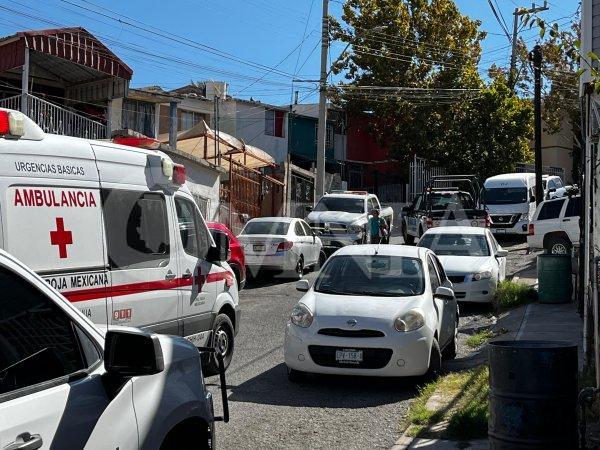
(404,442)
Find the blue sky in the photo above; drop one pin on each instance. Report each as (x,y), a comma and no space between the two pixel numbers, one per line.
(257,46)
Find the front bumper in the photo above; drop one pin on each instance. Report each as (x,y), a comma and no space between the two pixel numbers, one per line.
(469,291)
(521,227)
(397,355)
(335,241)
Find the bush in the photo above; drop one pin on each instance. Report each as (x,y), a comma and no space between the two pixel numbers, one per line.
(511,295)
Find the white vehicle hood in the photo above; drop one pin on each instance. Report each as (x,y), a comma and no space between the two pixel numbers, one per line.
(465,264)
(384,309)
(511,208)
(335,217)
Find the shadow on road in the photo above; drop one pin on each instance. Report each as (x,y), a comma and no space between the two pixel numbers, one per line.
(475,309)
(323,391)
(510,240)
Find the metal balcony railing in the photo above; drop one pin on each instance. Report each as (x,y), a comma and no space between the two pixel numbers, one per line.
(56,120)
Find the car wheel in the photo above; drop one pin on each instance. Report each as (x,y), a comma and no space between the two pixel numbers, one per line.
(408,239)
(222,341)
(299,269)
(295,376)
(435,360)
(559,245)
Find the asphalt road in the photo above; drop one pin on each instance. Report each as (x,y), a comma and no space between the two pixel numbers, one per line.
(267,411)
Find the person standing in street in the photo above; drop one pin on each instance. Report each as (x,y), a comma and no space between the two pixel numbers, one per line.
(377,227)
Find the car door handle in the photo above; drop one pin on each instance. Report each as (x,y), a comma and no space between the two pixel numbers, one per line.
(566,220)
(187,275)
(25,441)
(170,275)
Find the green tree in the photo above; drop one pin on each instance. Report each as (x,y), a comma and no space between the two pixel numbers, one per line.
(445,112)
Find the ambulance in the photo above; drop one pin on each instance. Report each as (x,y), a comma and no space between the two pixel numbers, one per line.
(117,232)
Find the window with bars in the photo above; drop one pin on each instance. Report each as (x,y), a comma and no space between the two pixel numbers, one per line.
(329,139)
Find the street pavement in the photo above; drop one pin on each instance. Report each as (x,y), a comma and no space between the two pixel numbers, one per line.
(267,411)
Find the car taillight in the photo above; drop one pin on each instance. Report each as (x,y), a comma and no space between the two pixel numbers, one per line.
(488,221)
(531,229)
(178,174)
(429,222)
(285,246)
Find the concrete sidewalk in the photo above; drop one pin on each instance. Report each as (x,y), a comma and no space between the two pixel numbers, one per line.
(536,321)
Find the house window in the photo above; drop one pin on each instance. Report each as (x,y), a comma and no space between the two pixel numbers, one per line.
(139,116)
(189,119)
(274,123)
(329,139)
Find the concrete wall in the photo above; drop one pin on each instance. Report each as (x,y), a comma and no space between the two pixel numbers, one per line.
(250,126)
(202,181)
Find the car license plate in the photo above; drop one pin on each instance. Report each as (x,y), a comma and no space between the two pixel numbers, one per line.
(500,231)
(349,356)
(259,248)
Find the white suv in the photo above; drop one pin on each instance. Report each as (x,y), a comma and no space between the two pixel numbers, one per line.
(555,225)
(66,384)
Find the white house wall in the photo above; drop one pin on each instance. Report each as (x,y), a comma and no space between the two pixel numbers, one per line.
(250,126)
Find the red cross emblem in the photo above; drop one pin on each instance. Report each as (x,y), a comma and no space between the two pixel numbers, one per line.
(61,237)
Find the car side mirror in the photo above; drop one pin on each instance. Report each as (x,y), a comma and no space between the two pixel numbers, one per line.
(551,190)
(501,253)
(132,353)
(220,252)
(444,293)
(302,285)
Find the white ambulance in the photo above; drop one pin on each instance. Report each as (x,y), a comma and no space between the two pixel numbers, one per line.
(117,232)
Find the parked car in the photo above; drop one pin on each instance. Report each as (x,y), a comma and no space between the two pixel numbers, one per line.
(553,186)
(473,260)
(237,259)
(555,225)
(342,218)
(67,384)
(510,199)
(448,200)
(280,244)
(116,230)
(375,311)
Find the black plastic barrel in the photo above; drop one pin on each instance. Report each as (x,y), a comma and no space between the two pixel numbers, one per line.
(533,395)
(554,278)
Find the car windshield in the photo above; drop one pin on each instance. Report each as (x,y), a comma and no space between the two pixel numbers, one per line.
(262,227)
(371,275)
(346,204)
(451,200)
(456,244)
(506,196)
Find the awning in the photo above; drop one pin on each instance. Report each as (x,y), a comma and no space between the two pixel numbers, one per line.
(202,142)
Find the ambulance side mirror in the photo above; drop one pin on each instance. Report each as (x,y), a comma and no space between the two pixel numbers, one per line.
(220,252)
(132,353)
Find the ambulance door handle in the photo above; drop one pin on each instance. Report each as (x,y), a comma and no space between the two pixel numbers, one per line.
(187,274)
(170,275)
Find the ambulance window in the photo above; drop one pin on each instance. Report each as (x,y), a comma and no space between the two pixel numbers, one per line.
(137,230)
(38,340)
(194,236)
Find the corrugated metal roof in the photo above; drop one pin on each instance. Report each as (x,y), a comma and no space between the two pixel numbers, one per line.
(75,45)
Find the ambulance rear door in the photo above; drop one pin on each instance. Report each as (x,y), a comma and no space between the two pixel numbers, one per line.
(50,207)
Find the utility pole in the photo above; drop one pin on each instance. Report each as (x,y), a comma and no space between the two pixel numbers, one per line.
(513,56)
(322,125)
(536,58)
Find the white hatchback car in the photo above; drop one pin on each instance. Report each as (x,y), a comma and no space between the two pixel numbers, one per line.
(375,311)
(66,384)
(280,244)
(472,258)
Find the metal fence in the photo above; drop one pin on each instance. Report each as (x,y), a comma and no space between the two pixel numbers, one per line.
(420,172)
(302,195)
(55,119)
(547,170)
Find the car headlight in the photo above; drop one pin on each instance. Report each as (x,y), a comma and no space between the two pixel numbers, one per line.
(410,321)
(482,275)
(524,216)
(301,316)
(354,229)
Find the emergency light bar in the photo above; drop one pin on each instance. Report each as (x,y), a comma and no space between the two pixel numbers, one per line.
(11,124)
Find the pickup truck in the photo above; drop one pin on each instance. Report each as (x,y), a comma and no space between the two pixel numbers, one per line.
(341,218)
(456,203)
